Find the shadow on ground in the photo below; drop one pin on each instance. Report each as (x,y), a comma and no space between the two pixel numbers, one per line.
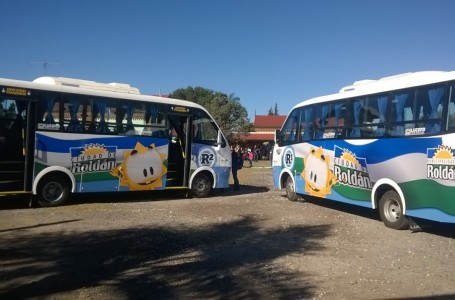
(437,228)
(18,202)
(228,260)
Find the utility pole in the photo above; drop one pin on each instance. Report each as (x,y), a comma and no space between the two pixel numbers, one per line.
(45,64)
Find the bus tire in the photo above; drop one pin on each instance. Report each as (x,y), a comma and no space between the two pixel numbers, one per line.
(53,190)
(201,186)
(290,191)
(391,211)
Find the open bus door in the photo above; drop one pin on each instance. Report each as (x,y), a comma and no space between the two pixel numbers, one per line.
(179,154)
(16,145)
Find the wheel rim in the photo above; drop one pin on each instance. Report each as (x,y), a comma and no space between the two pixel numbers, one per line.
(52,191)
(290,188)
(392,210)
(200,185)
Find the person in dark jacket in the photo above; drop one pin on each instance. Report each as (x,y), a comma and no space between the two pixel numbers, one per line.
(235,167)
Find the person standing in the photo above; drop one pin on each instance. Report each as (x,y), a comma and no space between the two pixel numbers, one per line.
(250,157)
(235,167)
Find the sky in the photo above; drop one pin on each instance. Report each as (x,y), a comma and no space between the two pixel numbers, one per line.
(265,52)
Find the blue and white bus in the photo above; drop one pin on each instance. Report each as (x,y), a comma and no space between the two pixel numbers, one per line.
(386,144)
(60,136)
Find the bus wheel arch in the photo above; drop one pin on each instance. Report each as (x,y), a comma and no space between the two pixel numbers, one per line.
(53,187)
(202,183)
(389,200)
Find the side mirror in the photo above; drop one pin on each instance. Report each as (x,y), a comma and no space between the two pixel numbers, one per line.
(277,136)
(220,141)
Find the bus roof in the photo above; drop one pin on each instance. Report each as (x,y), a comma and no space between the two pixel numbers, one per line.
(386,84)
(88,84)
(95,89)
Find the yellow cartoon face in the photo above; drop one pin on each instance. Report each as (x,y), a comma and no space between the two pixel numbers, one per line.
(142,169)
(318,177)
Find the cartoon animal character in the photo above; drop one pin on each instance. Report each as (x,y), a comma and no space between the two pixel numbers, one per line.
(142,169)
(318,177)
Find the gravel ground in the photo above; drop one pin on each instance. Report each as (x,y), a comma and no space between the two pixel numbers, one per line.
(247,244)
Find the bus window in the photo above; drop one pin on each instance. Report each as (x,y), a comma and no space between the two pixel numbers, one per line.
(48,112)
(154,121)
(307,121)
(126,115)
(451,112)
(431,101)
(104,117)
(374,116)
(378,107)
(357,112)
(417,112)
(204,130)
(288,133)
(77,113)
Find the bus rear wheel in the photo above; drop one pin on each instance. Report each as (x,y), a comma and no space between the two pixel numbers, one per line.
(290,190)
(391,211)
(53,191)
(201,186)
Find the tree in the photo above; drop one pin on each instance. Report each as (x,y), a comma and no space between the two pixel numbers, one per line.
(227,111)
(273,112)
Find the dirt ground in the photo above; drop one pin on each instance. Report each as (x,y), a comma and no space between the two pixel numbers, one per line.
(247,244)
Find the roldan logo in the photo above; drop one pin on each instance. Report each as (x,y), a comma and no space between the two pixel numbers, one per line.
(350,169)
(441,163)
(92,158)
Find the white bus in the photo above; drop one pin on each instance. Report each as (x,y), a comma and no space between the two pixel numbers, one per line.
(386,144)
(60,136)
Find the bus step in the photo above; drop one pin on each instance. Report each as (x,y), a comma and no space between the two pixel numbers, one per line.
(11,175)
(11,185)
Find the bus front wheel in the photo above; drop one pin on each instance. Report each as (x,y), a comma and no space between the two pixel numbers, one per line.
(201,186)
(53,190)
(391,211)
(290,190)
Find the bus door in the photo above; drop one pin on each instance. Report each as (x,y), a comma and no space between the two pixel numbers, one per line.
(179,155)
(16,149)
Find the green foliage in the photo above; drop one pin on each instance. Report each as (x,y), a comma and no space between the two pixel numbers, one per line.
(227,111)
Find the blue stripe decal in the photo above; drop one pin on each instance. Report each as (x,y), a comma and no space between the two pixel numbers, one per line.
(50,144)
(384,149)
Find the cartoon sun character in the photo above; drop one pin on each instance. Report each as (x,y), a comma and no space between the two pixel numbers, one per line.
(318,177)
(142,169)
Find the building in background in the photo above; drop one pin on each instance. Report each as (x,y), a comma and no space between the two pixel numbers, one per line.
(261,140)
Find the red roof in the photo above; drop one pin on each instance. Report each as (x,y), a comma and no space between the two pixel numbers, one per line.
(258,136)
(269,121)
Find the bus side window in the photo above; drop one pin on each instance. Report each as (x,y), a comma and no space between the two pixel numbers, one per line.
(379,120)
(154,121)
(434,97)
(307,119)
(104,117)
(288,132)
(126,115)
(76,113)
(355,129)
(48,111)
(451,111)
(204,130)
